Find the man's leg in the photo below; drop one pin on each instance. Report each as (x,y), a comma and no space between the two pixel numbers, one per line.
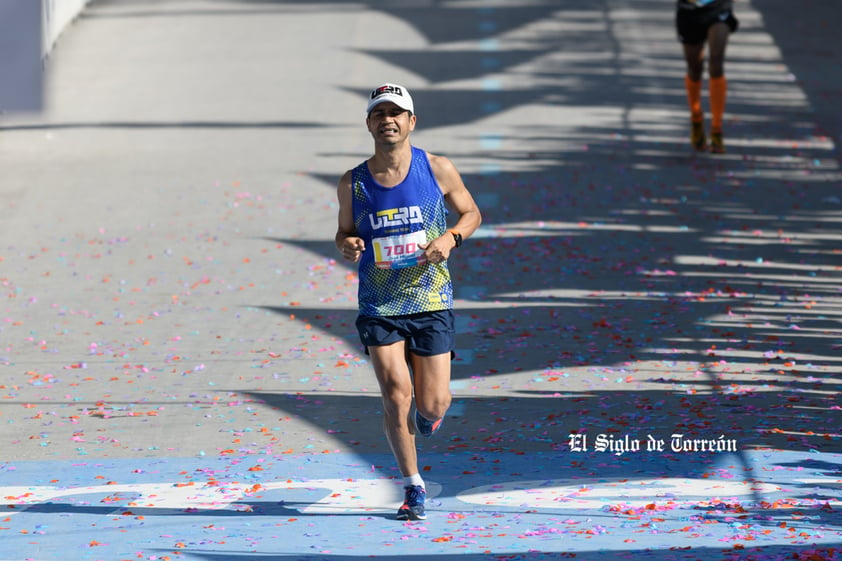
(717,39)
(717,85)
(432,385)
(392,370)
(392,373)
(694,57)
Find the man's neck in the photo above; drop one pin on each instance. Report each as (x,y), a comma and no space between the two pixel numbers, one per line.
(390,166)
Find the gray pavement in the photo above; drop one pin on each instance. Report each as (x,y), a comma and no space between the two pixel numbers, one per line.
(172,291)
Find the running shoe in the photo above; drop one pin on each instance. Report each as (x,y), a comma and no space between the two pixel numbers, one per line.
(697,135)
(717,146)
(413,504)
(425,427)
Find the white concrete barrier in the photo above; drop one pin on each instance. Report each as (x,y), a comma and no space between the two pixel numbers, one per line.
(57,16)
(28,34)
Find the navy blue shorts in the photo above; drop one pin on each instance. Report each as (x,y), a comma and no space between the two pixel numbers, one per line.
(426,334)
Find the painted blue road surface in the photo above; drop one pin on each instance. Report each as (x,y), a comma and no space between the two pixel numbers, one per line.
(494,506)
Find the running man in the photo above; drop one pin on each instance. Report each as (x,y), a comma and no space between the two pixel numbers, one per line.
(392,222)
(699,22)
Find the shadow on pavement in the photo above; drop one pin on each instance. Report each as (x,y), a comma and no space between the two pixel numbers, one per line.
(679,554)
(639,285)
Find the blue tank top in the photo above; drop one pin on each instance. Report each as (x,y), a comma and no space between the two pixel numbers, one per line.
(393,221)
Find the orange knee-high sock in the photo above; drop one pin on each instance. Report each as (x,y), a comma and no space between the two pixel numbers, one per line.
(694,98)
(718,92)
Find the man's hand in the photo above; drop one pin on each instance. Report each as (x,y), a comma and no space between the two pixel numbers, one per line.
(352,248)
(438,250)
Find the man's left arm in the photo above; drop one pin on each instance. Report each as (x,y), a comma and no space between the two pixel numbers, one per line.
(459,200)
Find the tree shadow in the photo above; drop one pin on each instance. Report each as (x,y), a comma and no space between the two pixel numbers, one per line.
(280,508)
(675,554)
(638,284)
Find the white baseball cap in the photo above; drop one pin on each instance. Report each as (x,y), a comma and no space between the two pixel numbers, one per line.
(398,95)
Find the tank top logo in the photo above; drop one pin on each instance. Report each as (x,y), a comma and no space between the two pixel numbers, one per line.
(396,217)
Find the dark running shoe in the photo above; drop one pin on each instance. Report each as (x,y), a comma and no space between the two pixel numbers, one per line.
(697,135)
(717,145)
(425,427)
(413,504)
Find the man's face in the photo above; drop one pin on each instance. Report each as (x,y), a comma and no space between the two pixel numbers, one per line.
(389,123)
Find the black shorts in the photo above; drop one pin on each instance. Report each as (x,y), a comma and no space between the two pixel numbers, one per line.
(426,334)
(693,25)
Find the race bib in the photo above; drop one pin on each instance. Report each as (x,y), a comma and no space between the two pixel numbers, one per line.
(397,252)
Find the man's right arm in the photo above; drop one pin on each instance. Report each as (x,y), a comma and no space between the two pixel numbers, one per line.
(349,244)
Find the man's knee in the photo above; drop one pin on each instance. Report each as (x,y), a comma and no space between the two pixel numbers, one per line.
(433,408)
(695,69)
(397,400)
(717,65)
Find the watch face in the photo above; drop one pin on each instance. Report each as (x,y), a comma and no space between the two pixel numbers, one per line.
(457,238)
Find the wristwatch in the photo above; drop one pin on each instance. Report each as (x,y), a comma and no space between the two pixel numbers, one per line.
(457,237)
